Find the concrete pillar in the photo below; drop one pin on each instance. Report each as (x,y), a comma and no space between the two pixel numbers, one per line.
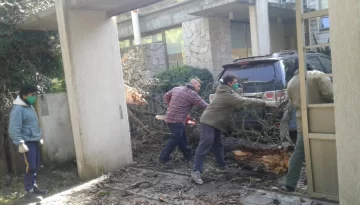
(345,49)
(136,26)
(259,26)
(254,31)
(207,43)
(95,87)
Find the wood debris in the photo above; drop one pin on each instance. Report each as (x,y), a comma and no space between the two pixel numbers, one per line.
(274,161)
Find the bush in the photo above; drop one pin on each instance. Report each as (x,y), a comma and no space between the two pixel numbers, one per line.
(177,76)
(57,85)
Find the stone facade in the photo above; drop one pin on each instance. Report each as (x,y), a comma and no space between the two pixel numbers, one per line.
(143,61)
(207,43)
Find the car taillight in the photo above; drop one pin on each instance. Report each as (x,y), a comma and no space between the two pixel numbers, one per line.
(269,95)
(278,95)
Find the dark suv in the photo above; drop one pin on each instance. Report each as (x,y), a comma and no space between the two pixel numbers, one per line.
(266,77)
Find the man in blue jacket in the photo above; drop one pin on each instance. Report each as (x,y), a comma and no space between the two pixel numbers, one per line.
(25,133)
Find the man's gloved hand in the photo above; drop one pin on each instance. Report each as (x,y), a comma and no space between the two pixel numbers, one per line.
(41,142)
(23,148)
(160,117)
(272,103)
(211,97)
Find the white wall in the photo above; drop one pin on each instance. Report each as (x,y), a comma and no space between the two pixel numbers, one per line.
(54,117)
(345,44)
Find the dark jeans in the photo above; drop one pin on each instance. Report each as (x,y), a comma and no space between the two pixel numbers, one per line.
(178,138)
(210,139)
(296,162)
(32,164)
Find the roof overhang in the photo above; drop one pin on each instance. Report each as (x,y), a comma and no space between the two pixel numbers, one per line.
(240,10)
(46,20)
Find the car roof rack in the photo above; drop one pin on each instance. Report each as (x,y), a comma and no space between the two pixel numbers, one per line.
(251,58)
(282,53)
(290,52)
(285,53)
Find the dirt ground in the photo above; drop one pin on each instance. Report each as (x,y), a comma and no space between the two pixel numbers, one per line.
(147,182)
(53,178)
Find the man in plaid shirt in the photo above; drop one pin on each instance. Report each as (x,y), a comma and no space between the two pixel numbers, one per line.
(180,101)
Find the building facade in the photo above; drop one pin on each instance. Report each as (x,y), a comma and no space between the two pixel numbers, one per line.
(209,34)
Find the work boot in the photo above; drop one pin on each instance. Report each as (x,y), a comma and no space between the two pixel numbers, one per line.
(38,191)
(221,169)
(189,162)
(287,188)
(196,176)
(166,165)
(31,196)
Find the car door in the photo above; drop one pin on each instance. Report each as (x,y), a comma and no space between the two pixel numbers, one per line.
(326,62)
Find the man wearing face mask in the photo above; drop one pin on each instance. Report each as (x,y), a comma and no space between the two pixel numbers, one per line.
(25,133)
(215,120)
(180,101)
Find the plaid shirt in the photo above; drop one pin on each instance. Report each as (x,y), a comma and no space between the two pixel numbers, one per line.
(180,101)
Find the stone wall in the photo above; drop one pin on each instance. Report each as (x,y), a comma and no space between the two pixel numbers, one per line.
(207,43)
(143,61)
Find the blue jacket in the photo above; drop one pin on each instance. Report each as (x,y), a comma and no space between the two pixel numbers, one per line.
(24,124)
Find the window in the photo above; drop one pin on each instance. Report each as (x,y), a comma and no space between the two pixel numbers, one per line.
(175,46)
(314,61)
(324,4)
(146,40)
(125,43)
(240,39)
(157,38)
(324,23)
(326,62)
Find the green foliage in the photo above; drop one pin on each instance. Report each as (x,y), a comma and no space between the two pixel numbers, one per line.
(29,57)
(57,85)
(176,76)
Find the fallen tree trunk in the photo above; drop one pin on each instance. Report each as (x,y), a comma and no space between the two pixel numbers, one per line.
(258,157)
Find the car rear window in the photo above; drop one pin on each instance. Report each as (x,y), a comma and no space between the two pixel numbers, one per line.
(259,77)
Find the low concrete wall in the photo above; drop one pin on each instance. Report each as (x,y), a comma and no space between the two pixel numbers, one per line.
(54,117)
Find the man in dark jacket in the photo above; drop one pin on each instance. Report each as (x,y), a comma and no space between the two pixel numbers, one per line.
(180,101)
(215,120)
(25,133)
